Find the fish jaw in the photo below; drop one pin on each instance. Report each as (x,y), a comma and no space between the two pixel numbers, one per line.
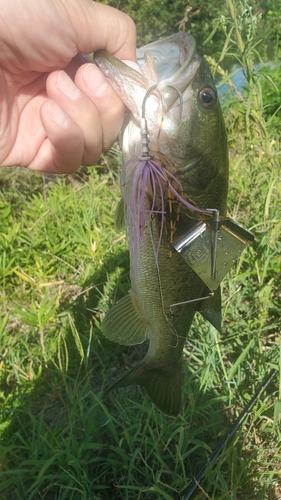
(172,61)
(172,78)
(124,79)
(179,127)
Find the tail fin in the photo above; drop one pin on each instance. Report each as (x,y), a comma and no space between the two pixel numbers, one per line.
(163,385)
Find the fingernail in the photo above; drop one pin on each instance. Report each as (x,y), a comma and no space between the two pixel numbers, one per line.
(67,86)
(57,114)
(94,79)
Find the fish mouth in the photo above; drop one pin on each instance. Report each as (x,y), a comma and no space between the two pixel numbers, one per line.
(171,58)
(167,65)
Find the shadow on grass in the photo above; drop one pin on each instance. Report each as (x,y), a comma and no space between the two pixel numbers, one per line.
(66,441)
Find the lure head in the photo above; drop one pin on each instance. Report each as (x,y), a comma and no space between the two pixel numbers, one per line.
(183,113)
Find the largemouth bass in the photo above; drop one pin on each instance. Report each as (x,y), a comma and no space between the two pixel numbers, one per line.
(173,103)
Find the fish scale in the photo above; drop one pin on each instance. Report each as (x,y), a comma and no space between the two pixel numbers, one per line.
(176,95)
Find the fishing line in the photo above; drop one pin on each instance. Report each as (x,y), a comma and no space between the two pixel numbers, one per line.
(167,319)
(235,426)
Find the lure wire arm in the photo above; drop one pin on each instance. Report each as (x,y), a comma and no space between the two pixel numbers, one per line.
(214,240)
(211,294)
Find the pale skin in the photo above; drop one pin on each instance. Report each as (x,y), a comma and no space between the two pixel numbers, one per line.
(57,110)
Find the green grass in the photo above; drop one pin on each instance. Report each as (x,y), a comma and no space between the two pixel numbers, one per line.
(61,267)
(60,437)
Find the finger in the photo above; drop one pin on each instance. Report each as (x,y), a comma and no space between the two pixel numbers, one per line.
(76,127)
(91,102)
(111,110)
(62,151)
(81,110)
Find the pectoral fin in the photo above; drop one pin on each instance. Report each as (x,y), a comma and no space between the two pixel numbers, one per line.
(163,385)
(211,309)
(123,323)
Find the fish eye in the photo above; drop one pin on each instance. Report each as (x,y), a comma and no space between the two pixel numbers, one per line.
(207,98)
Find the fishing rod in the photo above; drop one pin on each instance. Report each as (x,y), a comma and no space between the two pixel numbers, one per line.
(201,474)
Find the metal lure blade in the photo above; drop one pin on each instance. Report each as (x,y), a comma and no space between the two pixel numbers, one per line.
(211,253)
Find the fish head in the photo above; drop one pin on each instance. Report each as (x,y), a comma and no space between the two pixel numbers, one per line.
(175,92)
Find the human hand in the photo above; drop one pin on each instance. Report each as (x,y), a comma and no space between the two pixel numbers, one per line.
(57,110)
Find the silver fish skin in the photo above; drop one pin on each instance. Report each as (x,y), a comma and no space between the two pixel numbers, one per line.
(187,137)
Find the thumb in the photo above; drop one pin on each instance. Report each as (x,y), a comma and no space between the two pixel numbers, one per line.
(99,26)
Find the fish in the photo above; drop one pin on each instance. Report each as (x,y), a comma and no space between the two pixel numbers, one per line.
(175,169)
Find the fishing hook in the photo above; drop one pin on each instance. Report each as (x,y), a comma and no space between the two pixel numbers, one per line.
(150,90)
(147,94)
(145,154)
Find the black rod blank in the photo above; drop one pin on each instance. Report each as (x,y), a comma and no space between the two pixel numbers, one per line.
(193,486)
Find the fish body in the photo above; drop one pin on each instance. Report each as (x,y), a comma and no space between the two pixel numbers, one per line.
(176,95)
